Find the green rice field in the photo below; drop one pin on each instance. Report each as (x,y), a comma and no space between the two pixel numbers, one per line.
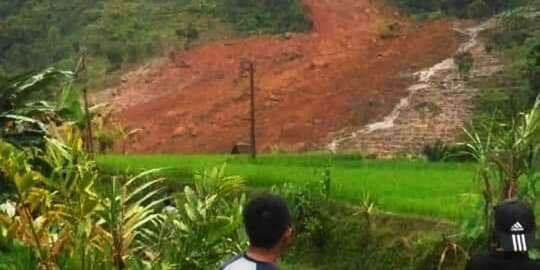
(411,187)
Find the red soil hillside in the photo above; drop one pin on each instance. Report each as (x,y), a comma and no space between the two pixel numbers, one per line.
(308,85)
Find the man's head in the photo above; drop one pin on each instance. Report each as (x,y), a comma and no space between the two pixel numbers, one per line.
(515,226)
(268,222)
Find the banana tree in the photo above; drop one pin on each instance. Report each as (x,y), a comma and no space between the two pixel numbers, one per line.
(26,106)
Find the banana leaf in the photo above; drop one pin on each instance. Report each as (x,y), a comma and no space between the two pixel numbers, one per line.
(69,106)
(17,90)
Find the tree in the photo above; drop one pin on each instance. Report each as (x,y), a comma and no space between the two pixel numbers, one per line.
(54,35)
(478,9)
(190,33)
(114,55)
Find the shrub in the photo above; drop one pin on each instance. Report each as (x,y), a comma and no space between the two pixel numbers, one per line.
(513,28)
(107,137)
(464,62)
(442,152)
(458,153)
(132,53)
(533,60)
(460,8)
(70,220)
(190,34)
(478,9)
(277,16)
(309,204)
(390,29)
(435,152)
(53,35)
(205,225)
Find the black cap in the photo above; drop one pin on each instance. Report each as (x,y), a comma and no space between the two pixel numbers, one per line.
(515,225)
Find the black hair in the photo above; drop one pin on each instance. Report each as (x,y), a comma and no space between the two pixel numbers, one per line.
(266,218)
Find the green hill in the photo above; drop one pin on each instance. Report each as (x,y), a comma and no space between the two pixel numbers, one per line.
(38,33)
(471,9)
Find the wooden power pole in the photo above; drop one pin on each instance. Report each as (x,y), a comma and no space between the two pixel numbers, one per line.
(249,66)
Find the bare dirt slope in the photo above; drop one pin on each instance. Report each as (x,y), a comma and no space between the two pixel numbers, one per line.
(308,85)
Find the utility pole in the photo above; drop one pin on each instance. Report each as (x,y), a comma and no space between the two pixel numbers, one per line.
(249,66)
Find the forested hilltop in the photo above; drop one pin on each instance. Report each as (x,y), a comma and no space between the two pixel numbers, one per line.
(35,34)
(471,9)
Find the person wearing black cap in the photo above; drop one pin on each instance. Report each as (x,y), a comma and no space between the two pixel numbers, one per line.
(515,228)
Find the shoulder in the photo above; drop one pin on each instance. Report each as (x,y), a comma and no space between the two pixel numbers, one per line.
(239,263)
(243,262)
(266,266)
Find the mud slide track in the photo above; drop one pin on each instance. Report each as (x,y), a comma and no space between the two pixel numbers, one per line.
(308,85)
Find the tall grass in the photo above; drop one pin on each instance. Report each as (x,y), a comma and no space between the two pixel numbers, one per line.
(412,187)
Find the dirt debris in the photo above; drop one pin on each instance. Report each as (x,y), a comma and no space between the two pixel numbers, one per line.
(344,51)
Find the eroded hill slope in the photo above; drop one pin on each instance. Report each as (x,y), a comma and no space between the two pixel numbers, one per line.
(308,85)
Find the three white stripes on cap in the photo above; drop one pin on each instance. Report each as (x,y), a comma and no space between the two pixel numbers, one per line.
(518,240)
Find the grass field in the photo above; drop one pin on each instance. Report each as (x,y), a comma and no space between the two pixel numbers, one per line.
(411,187)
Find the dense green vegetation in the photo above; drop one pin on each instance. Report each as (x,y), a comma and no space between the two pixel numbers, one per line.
(37,34)
(359,238)
(515,40)
(402,186)
(268,16)
(458,8)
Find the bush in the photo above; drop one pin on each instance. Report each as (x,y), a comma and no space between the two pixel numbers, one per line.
(513,28)
(459,8)
(393,242)
(435,152)
(261,17)
(517,40)
(132,53)
(309,204)
(205,225)
(442,152)
(533,60)
(464,62)
(390,30)
(478,9)
(114,55)
(189,34)
(80,221)
(106,138)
